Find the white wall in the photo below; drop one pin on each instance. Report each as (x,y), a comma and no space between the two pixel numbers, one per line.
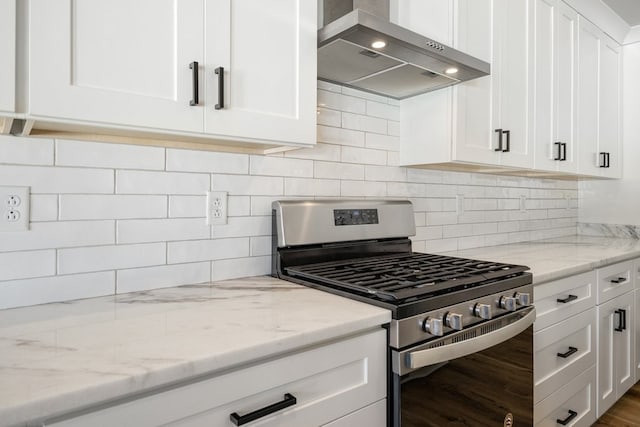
(109,218)
(618,201)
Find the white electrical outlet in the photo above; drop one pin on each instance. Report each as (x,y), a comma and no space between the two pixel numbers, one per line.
(14,207)
(217,207)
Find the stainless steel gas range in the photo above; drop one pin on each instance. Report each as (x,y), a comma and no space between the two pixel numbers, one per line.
(460,339)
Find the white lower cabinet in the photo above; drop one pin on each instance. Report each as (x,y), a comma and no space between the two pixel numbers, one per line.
(339,384)
(616,362)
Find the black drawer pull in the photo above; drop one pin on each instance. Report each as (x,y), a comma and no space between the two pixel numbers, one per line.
(564,152)
(499,131)
(618,280)
(194,72)
(568,352)
(559,145)
(220,72)
(567,299)
(622,320)
(289,400)
(572,415)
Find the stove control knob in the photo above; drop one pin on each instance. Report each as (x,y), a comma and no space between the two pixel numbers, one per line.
(507,303)
(482,311)
(522,299)
(454,321)
(433,325)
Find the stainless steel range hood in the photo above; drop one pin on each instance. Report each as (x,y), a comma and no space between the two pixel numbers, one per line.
(366,51)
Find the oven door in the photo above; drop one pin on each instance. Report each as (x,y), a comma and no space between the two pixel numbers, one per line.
(481,376)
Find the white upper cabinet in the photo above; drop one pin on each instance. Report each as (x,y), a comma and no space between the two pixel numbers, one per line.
(8,63)
(460,125)
(268,92)
(151,65)
(556,43)
(598,103)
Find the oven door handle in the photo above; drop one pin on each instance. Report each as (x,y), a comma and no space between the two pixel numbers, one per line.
(421,358)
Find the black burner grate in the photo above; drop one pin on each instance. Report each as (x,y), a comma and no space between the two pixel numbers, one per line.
(404,276)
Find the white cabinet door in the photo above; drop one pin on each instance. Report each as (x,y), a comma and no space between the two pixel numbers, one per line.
(512,81)
(8,49)
(616,364)
(269,69)
(556,30)
(116,62)
(609,107)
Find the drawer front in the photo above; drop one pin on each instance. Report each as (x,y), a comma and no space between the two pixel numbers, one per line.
(577,396)
(614,280)
(563,351)
(372,416)
(561,299)
(327,382)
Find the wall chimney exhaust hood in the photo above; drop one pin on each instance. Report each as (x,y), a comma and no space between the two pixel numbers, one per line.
(366,51)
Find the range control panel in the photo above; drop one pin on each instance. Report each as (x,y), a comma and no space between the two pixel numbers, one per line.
(355,216)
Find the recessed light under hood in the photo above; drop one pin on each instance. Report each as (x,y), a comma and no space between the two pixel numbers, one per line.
(403,63)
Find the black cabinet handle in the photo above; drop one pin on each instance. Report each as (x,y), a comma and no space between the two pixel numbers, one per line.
(619,280)
(499,132)
(608,156)
(603,160)
(568,352)
(572,415)
(508,133)
(289,400)
(220,72)
(559,156)
(622,320)
(194,72)
(567,299)
(564,152)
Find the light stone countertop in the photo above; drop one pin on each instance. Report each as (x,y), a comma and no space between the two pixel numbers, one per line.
(55,358)
(560,257)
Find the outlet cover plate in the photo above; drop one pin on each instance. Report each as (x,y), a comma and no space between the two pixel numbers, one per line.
(14,208)
(217,207)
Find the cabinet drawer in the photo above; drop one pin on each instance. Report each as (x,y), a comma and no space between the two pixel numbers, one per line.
(577,396)
(328,382)
(561,299)
(614,280)
(563,351)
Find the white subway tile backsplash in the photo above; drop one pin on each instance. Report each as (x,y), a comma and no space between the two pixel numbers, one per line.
(383,110)
(363,156)
(43,207)
(328,152)
(241,267)
(382,142)
(188,206)
(60,234)
(115,156)
(311,187)
(337,101)
(161,230)
(206,161)
(243,226)
(247,185)
(279,166)
(87,206)
(135,215)
(142,279)
(113,257)
(333,170)
(332,135)
(364,123)
(142,182)
(48,179)
(23,265)
(26,151)
(207,250)
(18,293)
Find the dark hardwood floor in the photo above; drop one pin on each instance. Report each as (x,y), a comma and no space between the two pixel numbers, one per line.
(625,412)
